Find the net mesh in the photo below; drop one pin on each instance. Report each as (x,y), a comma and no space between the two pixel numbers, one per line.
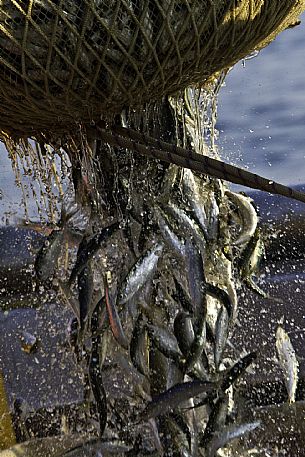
(64,61)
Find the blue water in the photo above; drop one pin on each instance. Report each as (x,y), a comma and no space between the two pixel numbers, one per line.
(261,115)
(261,118)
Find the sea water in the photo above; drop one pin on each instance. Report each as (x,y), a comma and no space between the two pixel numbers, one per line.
(261,111)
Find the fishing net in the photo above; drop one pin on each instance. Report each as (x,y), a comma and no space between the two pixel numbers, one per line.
(152,286)
(63,62)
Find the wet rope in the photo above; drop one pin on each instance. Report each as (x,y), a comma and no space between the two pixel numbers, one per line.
(148,146)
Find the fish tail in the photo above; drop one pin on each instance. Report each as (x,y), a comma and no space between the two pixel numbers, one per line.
(65,215)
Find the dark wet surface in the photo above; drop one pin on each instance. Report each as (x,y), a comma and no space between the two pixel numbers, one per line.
(44,378)
(281,433)
(18,247)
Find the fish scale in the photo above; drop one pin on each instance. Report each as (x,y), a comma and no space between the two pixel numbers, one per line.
(139,274)
(89,247)
(288,362)
(174,396)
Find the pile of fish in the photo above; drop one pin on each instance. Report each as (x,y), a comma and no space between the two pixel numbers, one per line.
(177,342)
(153,292)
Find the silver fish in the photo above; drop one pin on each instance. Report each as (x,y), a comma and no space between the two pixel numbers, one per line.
(222,296)
(113,315)
(197,348)
(223,437)
(188,224)
(47,257)
(288,362)
(247,214)
(195,276)
(213,216)
(193,195)
(66,295)
(94,447)
(105,337)
(165,342)
(138,348)
(217,419)
(89,247)
(95,373)
(221,335)
(184,332)
(143,269)
(181,297)
(173,397)
(250,261)
(231,375)
(197,288)
(169,181)
(169,236)
(85,293)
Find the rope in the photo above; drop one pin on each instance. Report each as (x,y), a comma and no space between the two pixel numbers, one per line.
(150,147)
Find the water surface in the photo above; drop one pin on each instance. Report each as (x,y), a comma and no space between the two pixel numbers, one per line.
(261,114)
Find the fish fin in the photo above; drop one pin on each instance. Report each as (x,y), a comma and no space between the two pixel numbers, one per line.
(67,296)
(114,318)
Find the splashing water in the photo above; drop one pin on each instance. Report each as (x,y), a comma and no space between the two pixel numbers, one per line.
(196,110)
(37,170)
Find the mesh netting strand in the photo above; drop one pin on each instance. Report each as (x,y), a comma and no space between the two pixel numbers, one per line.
(63,62)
